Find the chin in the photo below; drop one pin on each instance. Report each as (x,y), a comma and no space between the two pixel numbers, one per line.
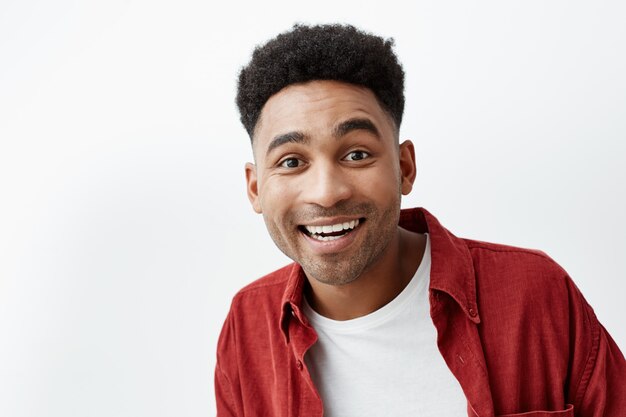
(332,275)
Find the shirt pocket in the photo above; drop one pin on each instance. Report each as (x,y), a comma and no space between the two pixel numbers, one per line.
(568,412)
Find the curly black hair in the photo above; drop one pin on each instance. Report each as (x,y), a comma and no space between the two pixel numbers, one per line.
(322,52)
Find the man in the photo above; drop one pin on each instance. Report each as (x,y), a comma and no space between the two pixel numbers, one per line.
(385,312)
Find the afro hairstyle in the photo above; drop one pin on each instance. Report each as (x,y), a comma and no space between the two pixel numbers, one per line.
(322,52)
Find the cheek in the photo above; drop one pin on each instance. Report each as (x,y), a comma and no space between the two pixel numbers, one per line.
(275,198)
(380,182)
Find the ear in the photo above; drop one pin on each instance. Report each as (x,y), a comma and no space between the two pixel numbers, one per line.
(408,170)
(252,187)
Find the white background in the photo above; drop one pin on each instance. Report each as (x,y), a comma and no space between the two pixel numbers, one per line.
(124,225)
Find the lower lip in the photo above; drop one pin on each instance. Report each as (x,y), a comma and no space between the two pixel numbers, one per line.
(321,247)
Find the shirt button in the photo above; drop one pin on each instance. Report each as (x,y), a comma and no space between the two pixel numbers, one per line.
(472,312)
(299,364)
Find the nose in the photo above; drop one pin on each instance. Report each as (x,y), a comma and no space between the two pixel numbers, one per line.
(327,184)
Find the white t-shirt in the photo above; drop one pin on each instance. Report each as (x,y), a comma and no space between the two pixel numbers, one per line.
(385,363)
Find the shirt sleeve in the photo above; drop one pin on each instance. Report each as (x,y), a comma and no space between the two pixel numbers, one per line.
(226,377)
(598,383)
(223,395)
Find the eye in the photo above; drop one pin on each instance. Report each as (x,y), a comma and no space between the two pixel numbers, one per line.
(357,156)
(290,163)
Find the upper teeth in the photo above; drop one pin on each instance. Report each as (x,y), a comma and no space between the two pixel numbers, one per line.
(332,227)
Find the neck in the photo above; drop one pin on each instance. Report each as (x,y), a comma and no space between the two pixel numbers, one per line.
(374,288)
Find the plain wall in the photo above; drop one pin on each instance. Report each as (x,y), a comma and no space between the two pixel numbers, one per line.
(124,225)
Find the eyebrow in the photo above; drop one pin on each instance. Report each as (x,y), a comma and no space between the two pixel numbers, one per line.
(350,125)
(339,131)
(290,137)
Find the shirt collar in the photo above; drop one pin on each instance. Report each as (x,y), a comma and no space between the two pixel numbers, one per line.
(452,269)
(292,299)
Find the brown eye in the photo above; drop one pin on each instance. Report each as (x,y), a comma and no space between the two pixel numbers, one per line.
(290,163)
(357,156)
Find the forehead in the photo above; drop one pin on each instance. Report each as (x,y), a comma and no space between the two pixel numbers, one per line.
(316,107)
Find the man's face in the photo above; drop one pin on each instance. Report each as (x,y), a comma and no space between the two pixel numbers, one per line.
(328,178)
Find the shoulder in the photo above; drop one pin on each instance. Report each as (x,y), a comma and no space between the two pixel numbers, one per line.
(523,290)
(271,285)
(516,275)
(261,299)
(512,260)
(255,309)
(480,248)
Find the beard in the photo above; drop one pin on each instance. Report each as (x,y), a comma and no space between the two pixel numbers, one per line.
(379,228)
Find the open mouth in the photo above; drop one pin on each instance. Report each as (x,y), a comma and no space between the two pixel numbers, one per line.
(332,231)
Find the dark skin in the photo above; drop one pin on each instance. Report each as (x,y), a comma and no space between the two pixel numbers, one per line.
(327,154)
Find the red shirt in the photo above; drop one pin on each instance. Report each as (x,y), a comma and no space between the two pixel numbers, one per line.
(512,327)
